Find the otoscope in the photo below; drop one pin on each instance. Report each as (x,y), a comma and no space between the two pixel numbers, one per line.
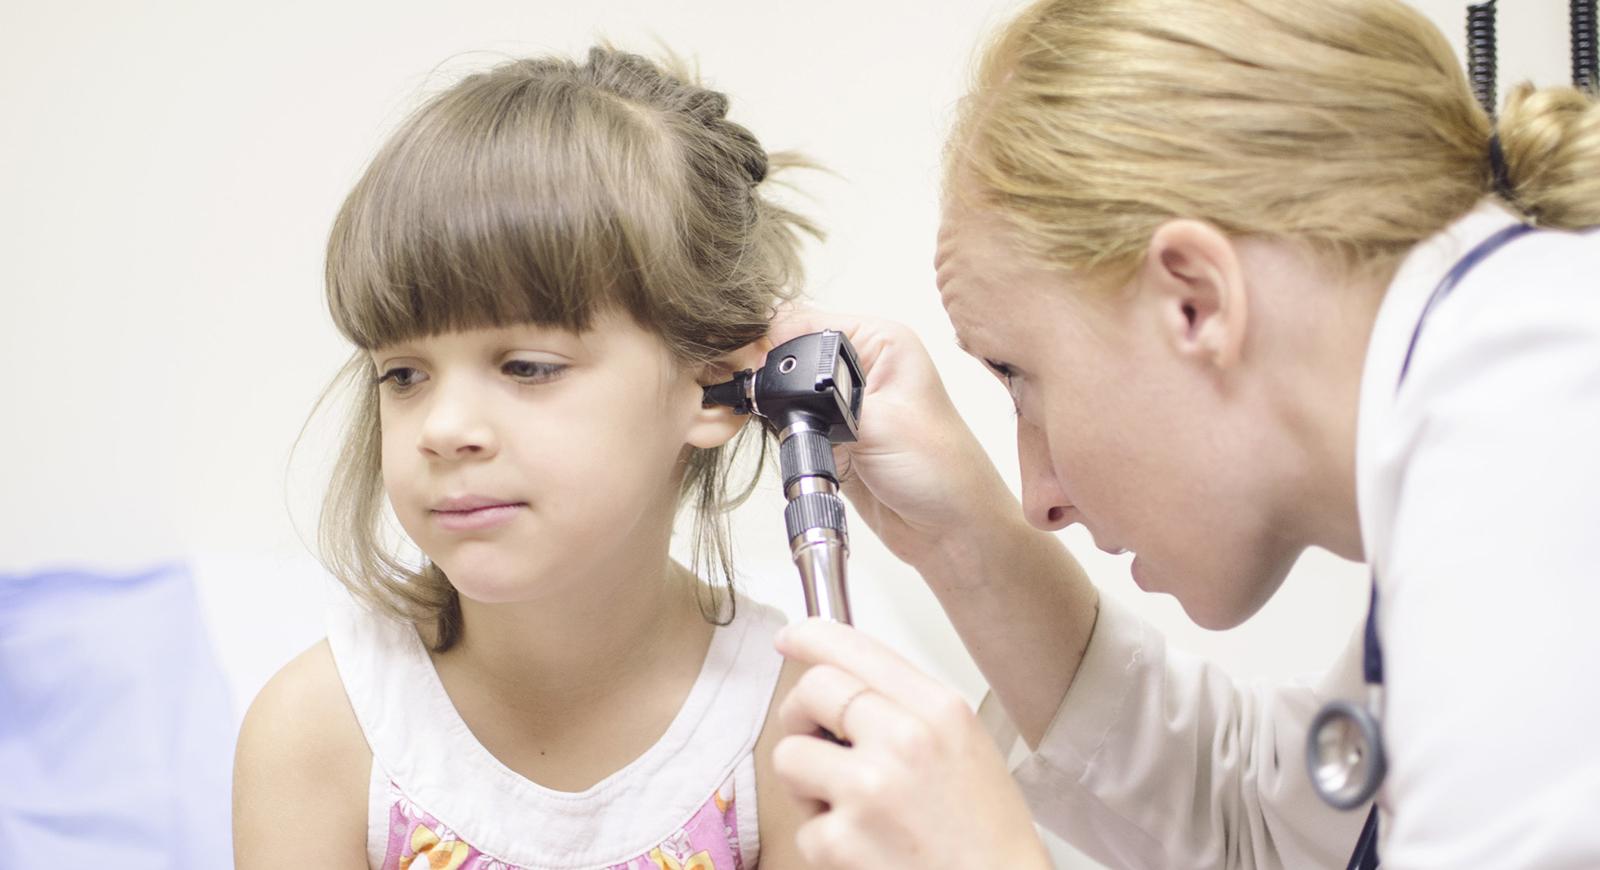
(809,390)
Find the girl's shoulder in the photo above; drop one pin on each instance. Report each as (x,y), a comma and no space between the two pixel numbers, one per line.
(301,765)
(780,813)
(306,699)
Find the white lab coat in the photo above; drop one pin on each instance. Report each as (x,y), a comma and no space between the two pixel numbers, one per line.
(1478,486)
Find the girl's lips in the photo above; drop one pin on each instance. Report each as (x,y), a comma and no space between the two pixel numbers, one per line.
(471,502)
(487,515)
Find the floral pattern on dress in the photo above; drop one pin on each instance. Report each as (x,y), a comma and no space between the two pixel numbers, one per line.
(708,841)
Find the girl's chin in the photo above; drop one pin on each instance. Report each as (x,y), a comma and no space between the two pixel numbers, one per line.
(495,584)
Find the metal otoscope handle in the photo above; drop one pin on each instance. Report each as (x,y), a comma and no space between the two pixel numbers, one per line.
(818,539)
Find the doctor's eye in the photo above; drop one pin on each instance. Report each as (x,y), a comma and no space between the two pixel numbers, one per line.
(1008,373)
(1004,370)
(533,371)
(401,378)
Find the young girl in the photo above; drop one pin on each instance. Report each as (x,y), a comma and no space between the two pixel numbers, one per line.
(539,270)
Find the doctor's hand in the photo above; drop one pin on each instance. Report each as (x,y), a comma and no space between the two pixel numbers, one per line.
(916,475)
(920,784)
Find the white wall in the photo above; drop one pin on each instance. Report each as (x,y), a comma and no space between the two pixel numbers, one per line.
(168,173)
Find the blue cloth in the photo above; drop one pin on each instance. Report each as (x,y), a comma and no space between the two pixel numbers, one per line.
(116,725)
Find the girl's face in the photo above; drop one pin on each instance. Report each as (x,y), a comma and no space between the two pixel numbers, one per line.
(523,460)
(1131,420)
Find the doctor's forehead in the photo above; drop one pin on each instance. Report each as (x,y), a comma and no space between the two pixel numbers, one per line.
(972,254)
(950,250)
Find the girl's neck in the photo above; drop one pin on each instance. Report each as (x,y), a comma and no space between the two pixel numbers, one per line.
(638,620)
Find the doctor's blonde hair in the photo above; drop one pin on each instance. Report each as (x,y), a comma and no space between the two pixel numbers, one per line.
(548,191)
(1346,124)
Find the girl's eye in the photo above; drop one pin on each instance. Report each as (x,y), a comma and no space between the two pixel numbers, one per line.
(402,378)
(533,371)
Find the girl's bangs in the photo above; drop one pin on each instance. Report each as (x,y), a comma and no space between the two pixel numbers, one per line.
(494,208)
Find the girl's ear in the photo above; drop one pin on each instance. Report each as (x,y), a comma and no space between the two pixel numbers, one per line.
(715,425)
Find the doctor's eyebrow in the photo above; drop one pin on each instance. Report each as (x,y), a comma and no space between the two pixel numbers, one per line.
(988,363)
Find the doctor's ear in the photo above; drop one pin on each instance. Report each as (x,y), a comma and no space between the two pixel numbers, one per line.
(715,425)
(1192,271)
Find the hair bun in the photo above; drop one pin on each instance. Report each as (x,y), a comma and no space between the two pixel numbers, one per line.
(756,165)
(745,149)
(1551,141)
(705,106)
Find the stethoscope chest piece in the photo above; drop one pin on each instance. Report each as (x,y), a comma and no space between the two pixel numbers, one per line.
(1344,755)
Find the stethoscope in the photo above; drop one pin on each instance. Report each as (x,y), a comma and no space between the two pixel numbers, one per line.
(1344,749)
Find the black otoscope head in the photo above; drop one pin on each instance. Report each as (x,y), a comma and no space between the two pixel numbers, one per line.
(814,378)
(808,390)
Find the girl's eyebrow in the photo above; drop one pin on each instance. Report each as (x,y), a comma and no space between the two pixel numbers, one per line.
(380,355)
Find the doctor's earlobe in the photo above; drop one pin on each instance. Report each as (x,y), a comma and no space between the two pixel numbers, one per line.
(1193,270)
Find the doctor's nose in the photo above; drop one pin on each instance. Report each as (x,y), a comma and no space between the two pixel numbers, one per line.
(1043,501)
(454,426)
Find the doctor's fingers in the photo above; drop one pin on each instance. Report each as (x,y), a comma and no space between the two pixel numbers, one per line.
(793,321)
(890,801)
(822,642)
(826,697)
(839,840)
(819,699)
(812,768)
(870,336)
(860,797)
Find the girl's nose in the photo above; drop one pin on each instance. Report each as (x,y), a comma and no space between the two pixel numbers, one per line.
(1043,501)
(456,426)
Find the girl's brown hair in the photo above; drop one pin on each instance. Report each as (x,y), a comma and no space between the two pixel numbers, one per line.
(1347,124)
(547,191)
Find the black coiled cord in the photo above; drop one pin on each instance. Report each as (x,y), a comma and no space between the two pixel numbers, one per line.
(1482,53)
(1585,64)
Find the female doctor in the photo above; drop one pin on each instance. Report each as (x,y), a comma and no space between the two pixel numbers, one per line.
(1259,276)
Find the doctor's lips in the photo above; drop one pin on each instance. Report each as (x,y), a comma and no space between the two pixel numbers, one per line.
(472,512)
(1112,550)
